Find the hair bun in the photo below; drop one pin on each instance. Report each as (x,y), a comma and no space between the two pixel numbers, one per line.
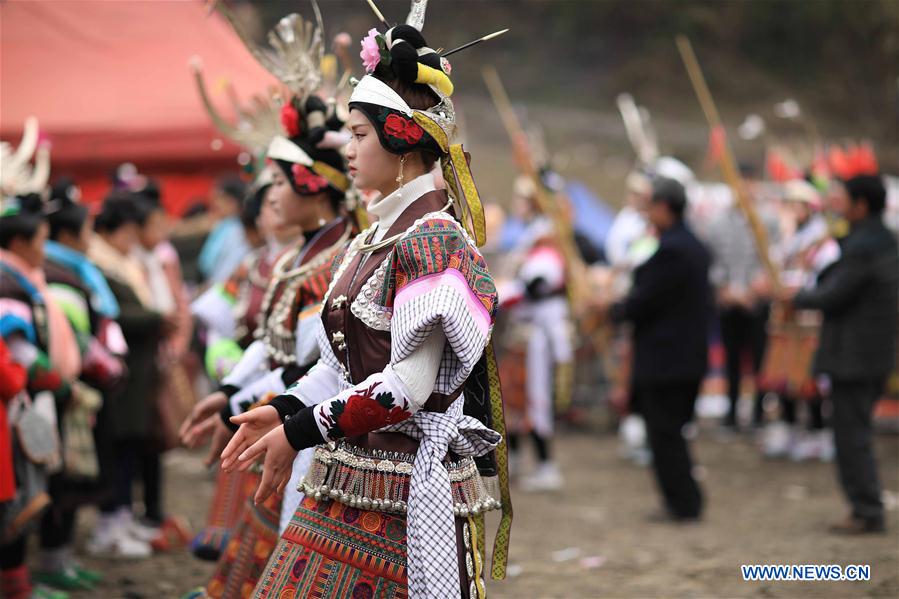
(405,42)
(31,203)
(316,113)
(409,34)
(404,61)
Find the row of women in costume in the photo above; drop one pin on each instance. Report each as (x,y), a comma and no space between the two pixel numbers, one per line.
(94,310)
(365,412)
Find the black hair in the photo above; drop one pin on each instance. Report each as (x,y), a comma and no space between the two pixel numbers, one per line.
(67,214)
(398,70)
(152,191)
(145,206)
(404,58)
(672,193)
(335,196)
(252,207)
(25,223)
(120,208)
(197,208)
(69,218)
(233,187)
(870,189)
(419,97)
(749,170)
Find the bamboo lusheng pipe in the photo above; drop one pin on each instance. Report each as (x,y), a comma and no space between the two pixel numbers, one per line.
(727,161)
(574,265)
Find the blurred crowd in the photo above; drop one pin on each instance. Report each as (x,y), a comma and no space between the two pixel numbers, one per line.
(110,339)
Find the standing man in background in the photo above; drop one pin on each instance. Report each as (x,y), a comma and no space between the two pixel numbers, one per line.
(859,297)
(670,307)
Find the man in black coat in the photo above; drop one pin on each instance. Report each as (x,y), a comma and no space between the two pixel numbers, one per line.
(859,297)
(670,306)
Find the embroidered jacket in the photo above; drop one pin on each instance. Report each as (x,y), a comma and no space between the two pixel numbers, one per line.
(286,346)
(384,305)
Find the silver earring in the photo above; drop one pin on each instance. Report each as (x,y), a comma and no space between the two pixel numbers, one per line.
(399,178)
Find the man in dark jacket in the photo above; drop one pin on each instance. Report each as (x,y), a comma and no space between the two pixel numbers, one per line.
(859,297)
(670,306)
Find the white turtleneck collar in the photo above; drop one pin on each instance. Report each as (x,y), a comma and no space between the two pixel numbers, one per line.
(275,247)
(389,208)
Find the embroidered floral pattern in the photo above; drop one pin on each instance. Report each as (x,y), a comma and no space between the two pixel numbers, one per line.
(363,411)
(439,244)
(402,128)
(307,179)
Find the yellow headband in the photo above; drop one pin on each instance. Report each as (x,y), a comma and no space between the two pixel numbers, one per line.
(338,180)
(458,178)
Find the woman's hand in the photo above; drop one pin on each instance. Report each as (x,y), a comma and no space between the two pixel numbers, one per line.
(197,426)
(253,425)
(277,465)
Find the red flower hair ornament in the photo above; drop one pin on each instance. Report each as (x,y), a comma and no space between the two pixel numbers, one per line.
(401,128)
(290,120)
(306,178)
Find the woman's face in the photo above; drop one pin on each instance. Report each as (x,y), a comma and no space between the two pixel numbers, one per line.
(32,251)
(223,205)
(83,241)
(123,238)
(294,209)
(838,199)
(154,230)
(800,211)
(269,219)
(370,166)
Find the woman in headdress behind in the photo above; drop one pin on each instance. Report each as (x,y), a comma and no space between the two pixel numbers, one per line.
(308,190)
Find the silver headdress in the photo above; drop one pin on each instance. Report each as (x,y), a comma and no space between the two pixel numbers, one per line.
(17,175)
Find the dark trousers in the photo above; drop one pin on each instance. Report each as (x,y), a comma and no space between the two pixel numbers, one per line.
(853,404)
(788,406)
(134,460)
(58,522)
(743,331)
(12,554)
(666,409)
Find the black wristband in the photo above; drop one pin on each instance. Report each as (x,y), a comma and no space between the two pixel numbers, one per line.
(225,414)
(229,390)
(286,405)
(301,430)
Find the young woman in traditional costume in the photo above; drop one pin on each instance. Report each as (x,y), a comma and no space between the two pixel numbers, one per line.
(230,314)
(404,328)
(309,183)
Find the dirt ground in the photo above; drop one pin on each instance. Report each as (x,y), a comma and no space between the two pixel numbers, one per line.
(593,539)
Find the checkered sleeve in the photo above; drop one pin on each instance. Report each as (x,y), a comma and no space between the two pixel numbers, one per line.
(441,320)
(442,283)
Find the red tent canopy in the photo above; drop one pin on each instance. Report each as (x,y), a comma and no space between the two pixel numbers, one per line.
(110,82)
